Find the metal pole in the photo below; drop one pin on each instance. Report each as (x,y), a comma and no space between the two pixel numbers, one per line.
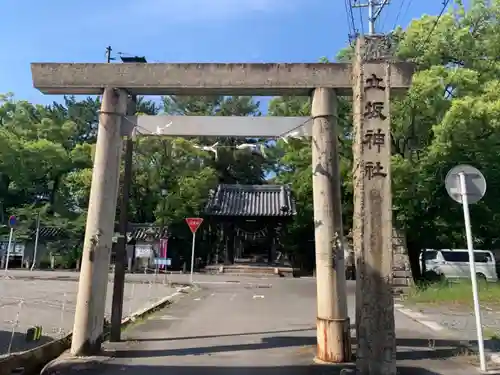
(8,249)
(371,19)
(121,246)
(91,298)
(332,323)
(192,257)
(472,264)
(162,226)
(108,54)
(375,8)
(36,240)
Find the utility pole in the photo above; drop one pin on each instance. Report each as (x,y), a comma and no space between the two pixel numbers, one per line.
(332,323)
(37,235)
(374,9)
(108,54)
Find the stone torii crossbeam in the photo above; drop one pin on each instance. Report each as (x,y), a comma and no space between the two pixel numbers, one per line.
(323,82)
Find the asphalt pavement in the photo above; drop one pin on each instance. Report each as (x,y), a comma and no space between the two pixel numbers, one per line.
(257,327)
(47,299)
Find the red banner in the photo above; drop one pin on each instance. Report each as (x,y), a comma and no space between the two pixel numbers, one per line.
(163,250)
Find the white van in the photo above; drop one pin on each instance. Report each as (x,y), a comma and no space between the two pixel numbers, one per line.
(454,264)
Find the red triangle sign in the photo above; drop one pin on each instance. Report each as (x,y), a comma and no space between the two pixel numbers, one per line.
(194,223)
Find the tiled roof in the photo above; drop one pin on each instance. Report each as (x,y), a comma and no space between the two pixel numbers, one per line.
(251,200)
(138,231)
(48,232)
(142,232)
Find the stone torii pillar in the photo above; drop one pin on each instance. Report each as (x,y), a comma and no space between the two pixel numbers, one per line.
(92,286)
(372,233)
(332,322)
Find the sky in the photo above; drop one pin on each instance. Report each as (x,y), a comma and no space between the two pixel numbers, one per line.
(179,31)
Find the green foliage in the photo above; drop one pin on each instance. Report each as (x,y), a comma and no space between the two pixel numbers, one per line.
(449,116)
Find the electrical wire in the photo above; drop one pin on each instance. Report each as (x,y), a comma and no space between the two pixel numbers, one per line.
(400,10)
(362,21)
(436,22)
(381,22)
(351,22)
(433,28)
(405,12)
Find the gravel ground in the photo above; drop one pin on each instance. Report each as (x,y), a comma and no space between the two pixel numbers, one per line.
(25,303)
(460,322)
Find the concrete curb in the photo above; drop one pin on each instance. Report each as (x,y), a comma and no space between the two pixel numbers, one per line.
(47,355)
(436,327)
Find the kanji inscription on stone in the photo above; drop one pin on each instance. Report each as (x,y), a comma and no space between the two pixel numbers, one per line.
(374,82)
(374,169)
(374,138)
(374,110)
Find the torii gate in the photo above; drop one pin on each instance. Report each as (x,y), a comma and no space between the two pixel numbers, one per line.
(323,82)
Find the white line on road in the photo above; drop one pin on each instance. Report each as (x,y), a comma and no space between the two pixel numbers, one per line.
(432,325)
(413,314)
(217,282)
(232,297)
(419,318)
(167,317)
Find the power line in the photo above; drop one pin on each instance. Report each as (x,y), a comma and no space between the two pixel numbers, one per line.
(400,12)
(351,23)
(445,5)
(433,28)
(361,21)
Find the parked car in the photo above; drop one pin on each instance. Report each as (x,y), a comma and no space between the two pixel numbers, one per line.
(454,264)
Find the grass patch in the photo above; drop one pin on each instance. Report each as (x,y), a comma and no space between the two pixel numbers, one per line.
(454,293)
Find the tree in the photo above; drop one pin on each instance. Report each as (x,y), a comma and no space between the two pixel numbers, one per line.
(433,130)
(449,116)
(293,167)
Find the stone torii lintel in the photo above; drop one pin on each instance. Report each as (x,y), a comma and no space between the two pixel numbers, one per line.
(265,79)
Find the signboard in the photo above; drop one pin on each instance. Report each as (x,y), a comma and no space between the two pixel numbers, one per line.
(12,221)
(16,249)
(143,251)
(163,261)
(474,180)
(194,223)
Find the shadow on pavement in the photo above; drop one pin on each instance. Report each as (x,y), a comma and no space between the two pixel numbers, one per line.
(408,349)
(306,369)
(19,343)
(224,335)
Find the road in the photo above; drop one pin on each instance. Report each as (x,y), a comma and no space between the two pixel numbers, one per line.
(18,274)
(47,299)
(257,327)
